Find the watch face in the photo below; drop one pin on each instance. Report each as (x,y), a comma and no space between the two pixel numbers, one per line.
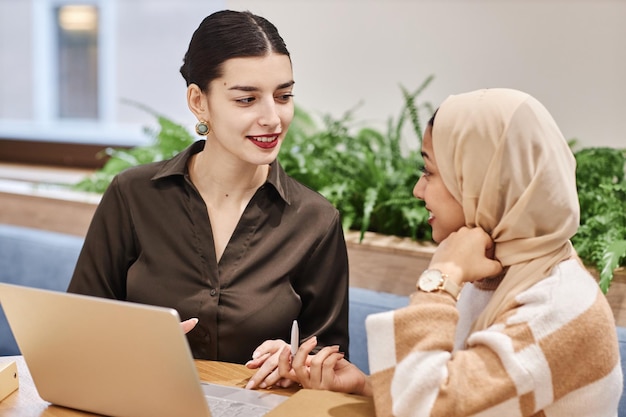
(430,280)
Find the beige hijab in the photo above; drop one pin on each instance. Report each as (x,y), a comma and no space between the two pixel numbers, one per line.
(502,156)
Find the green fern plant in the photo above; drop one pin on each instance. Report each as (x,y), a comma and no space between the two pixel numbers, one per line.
(601,238)
(169,139)
(369,176)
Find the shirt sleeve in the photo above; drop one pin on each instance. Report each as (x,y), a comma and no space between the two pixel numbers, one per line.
(323,288)
(108,250)
(518,366)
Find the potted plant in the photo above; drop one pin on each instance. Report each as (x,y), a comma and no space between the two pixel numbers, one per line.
(601,238)
(369,176)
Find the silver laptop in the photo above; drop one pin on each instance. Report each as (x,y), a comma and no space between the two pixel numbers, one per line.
(116,358)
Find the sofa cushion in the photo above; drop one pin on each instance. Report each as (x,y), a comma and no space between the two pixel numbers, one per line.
(34,258)
(364,302)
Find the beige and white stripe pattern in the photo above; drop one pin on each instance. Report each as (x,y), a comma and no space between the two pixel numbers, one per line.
(553,352)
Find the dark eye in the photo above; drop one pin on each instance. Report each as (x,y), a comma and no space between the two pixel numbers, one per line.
(425,172)
(246,100)
(284,98)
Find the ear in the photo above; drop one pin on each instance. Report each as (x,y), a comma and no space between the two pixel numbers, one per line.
(197,102)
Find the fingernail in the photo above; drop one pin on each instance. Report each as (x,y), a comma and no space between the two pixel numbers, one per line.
(262,385)
(250,384)
(255,354)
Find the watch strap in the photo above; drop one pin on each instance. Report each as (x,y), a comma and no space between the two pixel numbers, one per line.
(450,287)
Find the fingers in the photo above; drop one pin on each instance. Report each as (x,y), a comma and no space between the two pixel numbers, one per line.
(296,368)
(489,265)
(267,373)
(285,383)
(322,368)
(270,379)
(493,268)
(328,369)
(269,346)
(467,255)
(314,371)
(258,361)
(284,364)
(260,378)
(263,352)
(188,325)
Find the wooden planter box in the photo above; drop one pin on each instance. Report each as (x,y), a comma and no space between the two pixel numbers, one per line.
(386,263)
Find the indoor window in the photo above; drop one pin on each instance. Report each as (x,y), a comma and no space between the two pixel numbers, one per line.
(77,71)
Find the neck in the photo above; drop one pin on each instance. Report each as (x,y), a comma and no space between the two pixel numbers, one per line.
(219,179)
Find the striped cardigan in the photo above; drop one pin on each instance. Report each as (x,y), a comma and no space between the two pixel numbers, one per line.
(554,353)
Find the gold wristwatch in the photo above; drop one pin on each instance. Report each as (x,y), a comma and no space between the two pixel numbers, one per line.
(434,280)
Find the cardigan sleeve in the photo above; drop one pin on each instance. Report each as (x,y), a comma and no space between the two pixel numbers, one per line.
(524,363)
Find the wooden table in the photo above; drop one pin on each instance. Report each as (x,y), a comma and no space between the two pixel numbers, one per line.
(25,402)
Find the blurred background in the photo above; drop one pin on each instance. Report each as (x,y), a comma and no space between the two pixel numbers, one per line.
(68,68)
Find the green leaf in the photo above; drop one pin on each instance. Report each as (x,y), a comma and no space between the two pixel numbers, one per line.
(371,196)
(169,139)
(613,255)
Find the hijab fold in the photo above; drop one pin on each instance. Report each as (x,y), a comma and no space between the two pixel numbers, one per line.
(502,156)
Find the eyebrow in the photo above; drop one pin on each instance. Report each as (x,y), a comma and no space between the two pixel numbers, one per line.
(425,155)
(250,88)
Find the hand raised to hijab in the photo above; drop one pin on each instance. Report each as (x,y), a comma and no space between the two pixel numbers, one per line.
(466,255)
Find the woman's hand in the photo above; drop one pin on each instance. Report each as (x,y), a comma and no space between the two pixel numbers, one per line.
(466,255)
(326,370)
(265,359)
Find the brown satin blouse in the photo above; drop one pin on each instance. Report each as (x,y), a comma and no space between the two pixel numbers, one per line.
(150,241)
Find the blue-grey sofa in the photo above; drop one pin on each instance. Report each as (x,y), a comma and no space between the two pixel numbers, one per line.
(46,259)
(34,258)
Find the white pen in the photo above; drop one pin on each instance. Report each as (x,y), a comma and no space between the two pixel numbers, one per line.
(295,338)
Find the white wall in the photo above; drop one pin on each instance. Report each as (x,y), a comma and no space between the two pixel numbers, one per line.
(150,52)
(570,54)
(15,60)
(147,39)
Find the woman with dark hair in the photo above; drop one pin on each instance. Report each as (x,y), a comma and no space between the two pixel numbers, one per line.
(220,232)
(506,321)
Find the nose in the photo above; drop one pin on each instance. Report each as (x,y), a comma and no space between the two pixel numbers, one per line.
(418,190)
(269,114)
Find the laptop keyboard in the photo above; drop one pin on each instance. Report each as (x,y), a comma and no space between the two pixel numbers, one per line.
(225,401)
(222,407)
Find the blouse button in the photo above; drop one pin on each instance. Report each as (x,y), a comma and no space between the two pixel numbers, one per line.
(213,292)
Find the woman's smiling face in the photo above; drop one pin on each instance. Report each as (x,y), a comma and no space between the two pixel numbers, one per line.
(446,213)
(250,106)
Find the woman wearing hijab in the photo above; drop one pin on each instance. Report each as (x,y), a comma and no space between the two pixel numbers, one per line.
(531,333)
